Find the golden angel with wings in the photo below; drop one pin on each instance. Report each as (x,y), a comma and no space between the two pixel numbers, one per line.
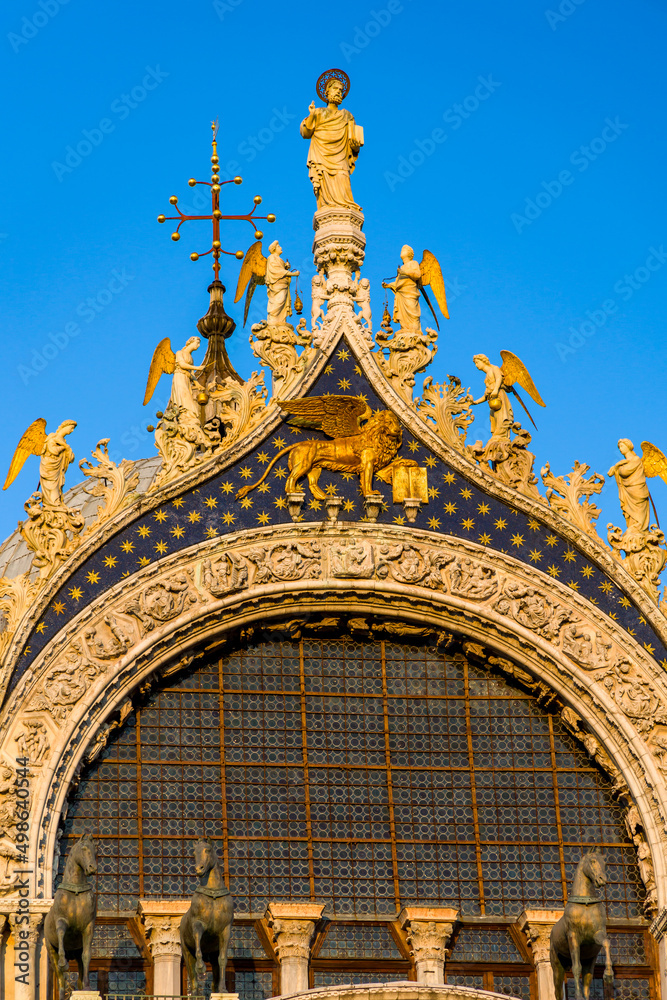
(411,281)
(272,271)
(501,380)
(55,457)
(631,474)
(363,442)
(179,364)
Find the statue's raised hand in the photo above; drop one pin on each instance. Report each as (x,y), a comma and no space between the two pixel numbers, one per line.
(312,108)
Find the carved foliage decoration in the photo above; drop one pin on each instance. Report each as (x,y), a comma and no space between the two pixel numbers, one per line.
(241,407)
(114,483)
(565,495)
(276,347)
(447,406)
(183,444)
(51,533)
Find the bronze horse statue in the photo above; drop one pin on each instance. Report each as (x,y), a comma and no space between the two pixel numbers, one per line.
(581,932)
(69,924)
(206,926)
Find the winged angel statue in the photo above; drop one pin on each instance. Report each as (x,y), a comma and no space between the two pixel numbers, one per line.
(501,380)
(631,473)
(272,271)
(179,364)
(363,442)
(49,518)
(55,457)
(411,281)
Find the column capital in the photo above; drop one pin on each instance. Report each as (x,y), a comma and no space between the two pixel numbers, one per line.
(32,928)
(293,926)
(428,930)
(536,925)
(162,920)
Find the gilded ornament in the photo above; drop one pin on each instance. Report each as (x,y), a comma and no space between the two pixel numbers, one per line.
(363,442)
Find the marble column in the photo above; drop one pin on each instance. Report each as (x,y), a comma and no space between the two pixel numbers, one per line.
(658,929)
(292,926)
(25,938)
(536,925)
(162,921)
(428,930)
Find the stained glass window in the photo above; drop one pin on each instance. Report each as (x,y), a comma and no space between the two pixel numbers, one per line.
(366,776)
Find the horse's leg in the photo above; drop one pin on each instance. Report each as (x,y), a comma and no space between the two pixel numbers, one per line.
(558,973)
(200,964)
(587,976)
(80,981)
(573,942)
(86,948)
(223,945)
(53,955)
(61,928)
(608,976)
(189,964)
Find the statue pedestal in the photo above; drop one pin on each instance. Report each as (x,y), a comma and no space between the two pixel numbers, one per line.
(85,995)
(339,245)
(224,996)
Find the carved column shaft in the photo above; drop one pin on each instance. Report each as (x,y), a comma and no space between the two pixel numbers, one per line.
(537,925)
(293,927)
(162,921)
(428,930)
(25,935)
(658,929)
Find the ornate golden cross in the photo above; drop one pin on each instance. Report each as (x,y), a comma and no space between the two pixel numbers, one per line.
(216,215)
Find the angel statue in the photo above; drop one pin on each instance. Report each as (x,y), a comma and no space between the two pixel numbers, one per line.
(335,141)
(180,365)
(55,457)
(630,474)
(411,279)
(275,273)
(499,381)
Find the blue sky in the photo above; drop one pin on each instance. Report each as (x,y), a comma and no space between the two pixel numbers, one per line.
(523,143)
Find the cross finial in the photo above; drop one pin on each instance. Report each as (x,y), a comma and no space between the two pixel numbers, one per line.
(216,216)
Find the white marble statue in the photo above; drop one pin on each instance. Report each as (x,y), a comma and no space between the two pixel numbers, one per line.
(335,141)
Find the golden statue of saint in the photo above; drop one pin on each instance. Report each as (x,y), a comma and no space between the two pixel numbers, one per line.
(335,141)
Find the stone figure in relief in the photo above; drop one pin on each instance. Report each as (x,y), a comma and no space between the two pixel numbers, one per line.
(272,271)
(362,296)
(319,296)
(410,282)
(55,458)
(180,365)
(335,141)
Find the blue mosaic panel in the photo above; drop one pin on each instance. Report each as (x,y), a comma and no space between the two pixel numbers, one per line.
(456,506)
(363,775)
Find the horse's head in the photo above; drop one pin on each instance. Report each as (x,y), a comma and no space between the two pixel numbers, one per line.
(85,854)
(205,855)
(594,868)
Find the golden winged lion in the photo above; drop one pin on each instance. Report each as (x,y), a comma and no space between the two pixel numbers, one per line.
(363,442)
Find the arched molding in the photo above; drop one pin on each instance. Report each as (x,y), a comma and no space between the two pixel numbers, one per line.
(342,322)
(362,579)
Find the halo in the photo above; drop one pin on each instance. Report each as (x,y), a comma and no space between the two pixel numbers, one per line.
(329,74)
